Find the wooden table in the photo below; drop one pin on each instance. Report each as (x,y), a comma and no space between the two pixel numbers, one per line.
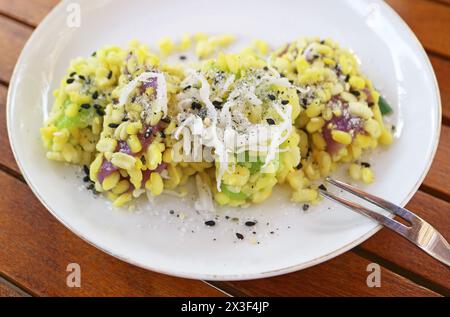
(36,248)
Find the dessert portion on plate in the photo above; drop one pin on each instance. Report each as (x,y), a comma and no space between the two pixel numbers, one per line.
(238,124)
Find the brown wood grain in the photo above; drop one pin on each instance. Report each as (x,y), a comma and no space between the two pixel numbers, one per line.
(442,69)
(13,36)
(30,12)
(429,20)
(36,250)
(6,157)
(398,251)
(9,290)
(438,179)
(41,270)
(345,275)
(446,2)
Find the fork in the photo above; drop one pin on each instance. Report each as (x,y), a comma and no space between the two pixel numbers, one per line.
(421,233)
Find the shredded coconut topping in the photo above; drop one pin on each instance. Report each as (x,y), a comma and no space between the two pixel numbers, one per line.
(229,131)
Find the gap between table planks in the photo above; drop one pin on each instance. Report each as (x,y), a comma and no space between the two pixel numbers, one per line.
(431,279)
(16,34)
(42,271)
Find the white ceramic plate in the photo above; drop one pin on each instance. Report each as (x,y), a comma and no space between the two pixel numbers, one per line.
(154,239)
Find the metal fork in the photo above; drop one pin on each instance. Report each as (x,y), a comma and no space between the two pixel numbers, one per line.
(421,233)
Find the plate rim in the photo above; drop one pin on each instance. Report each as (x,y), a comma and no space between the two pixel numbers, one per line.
(221,277)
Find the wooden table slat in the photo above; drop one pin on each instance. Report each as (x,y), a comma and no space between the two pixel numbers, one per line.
(9,290)
(29,12)
(42,248)
(345,275)
(428,20)
(36,250)
(438,177)
(400,252)
(13,36)
(442,70)
(7,158)
(42,270)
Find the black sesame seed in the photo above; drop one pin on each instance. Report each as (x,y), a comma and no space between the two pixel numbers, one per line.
(171,212)
(86,169)
(270,121)
(100,112)
(143,160)
(166,120)
(187,87)
(347,78)
(95,95)
(91,187)
(73,74)
(227,217)
(148,132)
(210,223)
(86,179)
(70,80)
(85,106)
(250,223)
(284,102)
(365,164)
(299,166)
(322,42)
(183,57)
(82,77)
(305,207)
(125,119)
(97,106)
(239,236)
(113,125)
(271,232)
(322,187)
(266,68)
(196,105)
(271,97)
(355,93)
(304,101)
(94,54)
(217,104)
(110,74)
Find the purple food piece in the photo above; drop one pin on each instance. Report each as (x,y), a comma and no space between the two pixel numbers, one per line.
(149,83)
(124,147)
(106,169)
(146,138)
(346,122)
(146,174)
(332,146)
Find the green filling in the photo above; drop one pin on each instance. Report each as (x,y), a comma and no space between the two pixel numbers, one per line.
(385,108)
(233,195)
(82,120)
(254,164)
